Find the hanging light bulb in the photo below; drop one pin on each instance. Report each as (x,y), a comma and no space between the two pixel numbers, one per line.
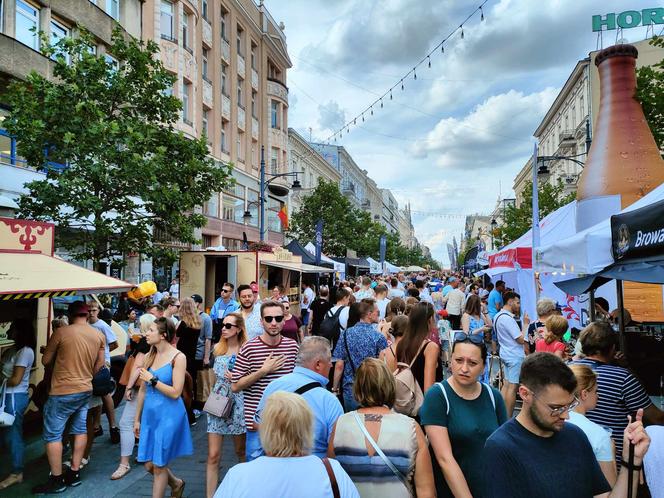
(363,117)
(429,59)
(355,121)
(442,48)
(481,14)
(381,103)
(390,94)
(414,74)
(402,85)
(372,110)
(461,31)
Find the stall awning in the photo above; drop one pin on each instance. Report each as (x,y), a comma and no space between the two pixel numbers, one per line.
(301,267)
(25,275)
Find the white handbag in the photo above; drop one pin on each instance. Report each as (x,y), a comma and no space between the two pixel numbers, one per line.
(6,419)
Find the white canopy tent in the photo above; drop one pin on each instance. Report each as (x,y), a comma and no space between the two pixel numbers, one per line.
(338,267)
(588,251)
(376,268)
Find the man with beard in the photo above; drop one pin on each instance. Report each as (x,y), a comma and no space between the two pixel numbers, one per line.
(250,312)
(260,361)
(538,454)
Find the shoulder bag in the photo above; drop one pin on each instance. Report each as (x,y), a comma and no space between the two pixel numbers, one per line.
(333,478)
(218,404)
(380,452)
(6,419)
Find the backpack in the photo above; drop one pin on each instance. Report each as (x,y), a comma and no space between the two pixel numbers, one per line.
(409,397)
(447,401)
(330,328)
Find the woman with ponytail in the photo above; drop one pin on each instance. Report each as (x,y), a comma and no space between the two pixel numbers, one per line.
(556,326)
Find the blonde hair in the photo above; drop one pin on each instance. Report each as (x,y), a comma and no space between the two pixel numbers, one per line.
(287,426)
(189,313)
(374,384)
(556,326)
(586,378)
(222,346)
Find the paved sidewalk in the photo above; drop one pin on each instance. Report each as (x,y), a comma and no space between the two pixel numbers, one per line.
(138,483)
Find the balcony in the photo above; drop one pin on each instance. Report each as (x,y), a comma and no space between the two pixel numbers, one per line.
(567,138)
(277,89)
(241,118)
(207,33)
(189,69)
(169,54)
(241,68)
(225,51)
(254,128)
(225,107)
(254,79)
(208,98)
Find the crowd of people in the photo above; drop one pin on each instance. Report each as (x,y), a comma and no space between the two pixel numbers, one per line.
(407,385)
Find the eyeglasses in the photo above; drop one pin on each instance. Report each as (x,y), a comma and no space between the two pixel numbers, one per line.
(277,319)
(557,412)
(228,325)
(225,290)
(463,337)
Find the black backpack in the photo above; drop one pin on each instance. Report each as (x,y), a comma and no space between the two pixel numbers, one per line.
(330,328)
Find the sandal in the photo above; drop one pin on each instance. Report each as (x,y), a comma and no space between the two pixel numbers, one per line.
(11,480)
(121,471)
(177,492)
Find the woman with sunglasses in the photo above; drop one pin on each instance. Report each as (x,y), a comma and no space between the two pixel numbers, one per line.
(458,416)
(292,325)
(233,336)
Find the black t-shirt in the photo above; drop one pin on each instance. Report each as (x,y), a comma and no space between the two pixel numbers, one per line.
(524,465)
(188,339)
(319,307)
(140,346)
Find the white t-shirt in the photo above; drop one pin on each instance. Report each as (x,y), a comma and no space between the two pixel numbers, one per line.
(343,316)
(455,302)
(24,357)
(599,438)
(292,477)
(392,293)
(105,329)
(507,331)
(174,290)
(309,294)
(382,307)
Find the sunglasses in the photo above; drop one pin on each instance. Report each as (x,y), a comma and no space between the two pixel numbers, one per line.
(228,325)
(463,337)
(225,290)
(277,319)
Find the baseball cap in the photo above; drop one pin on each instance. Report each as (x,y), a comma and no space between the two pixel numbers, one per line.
(451,279)
(443,313)
(254,288)
(78,308)
(197,298)
(484,294)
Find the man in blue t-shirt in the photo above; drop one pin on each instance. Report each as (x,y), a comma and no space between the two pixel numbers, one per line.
(538,454)
(224,305)
(495,303)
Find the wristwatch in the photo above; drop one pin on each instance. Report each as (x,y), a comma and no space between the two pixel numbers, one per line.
(153,381)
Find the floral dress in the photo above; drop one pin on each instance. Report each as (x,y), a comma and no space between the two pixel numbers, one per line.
(233,425)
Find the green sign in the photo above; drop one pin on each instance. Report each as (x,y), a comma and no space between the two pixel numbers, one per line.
(628,19)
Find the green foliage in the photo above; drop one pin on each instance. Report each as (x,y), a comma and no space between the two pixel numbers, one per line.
(650,92)
(518,220)
(346,227)
(128,171)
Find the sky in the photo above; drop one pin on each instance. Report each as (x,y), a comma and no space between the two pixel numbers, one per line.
(452,141)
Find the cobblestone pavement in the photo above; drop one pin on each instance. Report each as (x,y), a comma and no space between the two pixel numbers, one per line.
(138,483)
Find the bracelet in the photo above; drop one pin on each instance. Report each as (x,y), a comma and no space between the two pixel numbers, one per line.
(632,467)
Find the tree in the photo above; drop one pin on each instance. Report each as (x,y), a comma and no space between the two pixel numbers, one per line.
(650,92)
(518,220)
(125,172)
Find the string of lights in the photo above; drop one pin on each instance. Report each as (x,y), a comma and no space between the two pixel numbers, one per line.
(378,103)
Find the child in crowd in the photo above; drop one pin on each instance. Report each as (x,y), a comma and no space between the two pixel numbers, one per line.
(552,342)
(444,328)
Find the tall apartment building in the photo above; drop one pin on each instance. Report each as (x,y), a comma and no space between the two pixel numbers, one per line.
(230,59)
(353,180)
(390,211)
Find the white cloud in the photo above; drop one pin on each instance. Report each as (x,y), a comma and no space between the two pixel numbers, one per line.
(331,116)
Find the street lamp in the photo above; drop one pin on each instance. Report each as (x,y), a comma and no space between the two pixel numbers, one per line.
(295,187)
(494,224)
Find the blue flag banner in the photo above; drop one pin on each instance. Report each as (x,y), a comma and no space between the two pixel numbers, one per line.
(319,241)
(383,248)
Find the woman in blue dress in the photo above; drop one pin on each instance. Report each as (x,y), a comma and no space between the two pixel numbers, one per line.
(233,336)
(161,419)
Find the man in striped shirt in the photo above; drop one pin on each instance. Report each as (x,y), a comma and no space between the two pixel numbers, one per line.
(260,361)
(619,392)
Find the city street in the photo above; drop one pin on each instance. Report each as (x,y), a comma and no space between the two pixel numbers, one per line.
(138,483)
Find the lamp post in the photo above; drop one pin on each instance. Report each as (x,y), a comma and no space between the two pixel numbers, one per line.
(246,217)
(494,223)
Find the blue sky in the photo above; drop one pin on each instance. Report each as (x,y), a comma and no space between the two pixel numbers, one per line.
(454,139)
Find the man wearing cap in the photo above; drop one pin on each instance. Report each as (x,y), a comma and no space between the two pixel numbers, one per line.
(449,286)
(75,353)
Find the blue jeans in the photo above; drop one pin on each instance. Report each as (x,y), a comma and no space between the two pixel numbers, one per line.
(253,448)
(13,436)
(59,408)
(349,403)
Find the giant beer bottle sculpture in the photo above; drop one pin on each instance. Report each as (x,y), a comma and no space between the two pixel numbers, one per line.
(623,159)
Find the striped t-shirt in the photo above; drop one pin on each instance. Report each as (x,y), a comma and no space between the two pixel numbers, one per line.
(250,359)
(619,394)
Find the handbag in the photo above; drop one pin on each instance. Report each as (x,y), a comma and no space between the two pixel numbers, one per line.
(219,405)
(6,419)
(126,371)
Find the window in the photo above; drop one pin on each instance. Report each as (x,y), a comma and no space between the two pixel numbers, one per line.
(211,208)
(205,123)
(113,9)
(274,161)
(240,41)
(224,79)
(233,204)
(224,24)
(205,64)
(186,113)
(224,136)
(254,57)
(27,19)
(185,30)
(115,65)
(252,206)
(254,109)
(273,208)
(241,146)
(204,9)
(58,32)
(240,99)
(274,114)
(581,108)
(167,31)
(273,72)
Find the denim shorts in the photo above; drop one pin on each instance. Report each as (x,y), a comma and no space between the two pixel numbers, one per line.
(59,409)
(512,369)
(445,345)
